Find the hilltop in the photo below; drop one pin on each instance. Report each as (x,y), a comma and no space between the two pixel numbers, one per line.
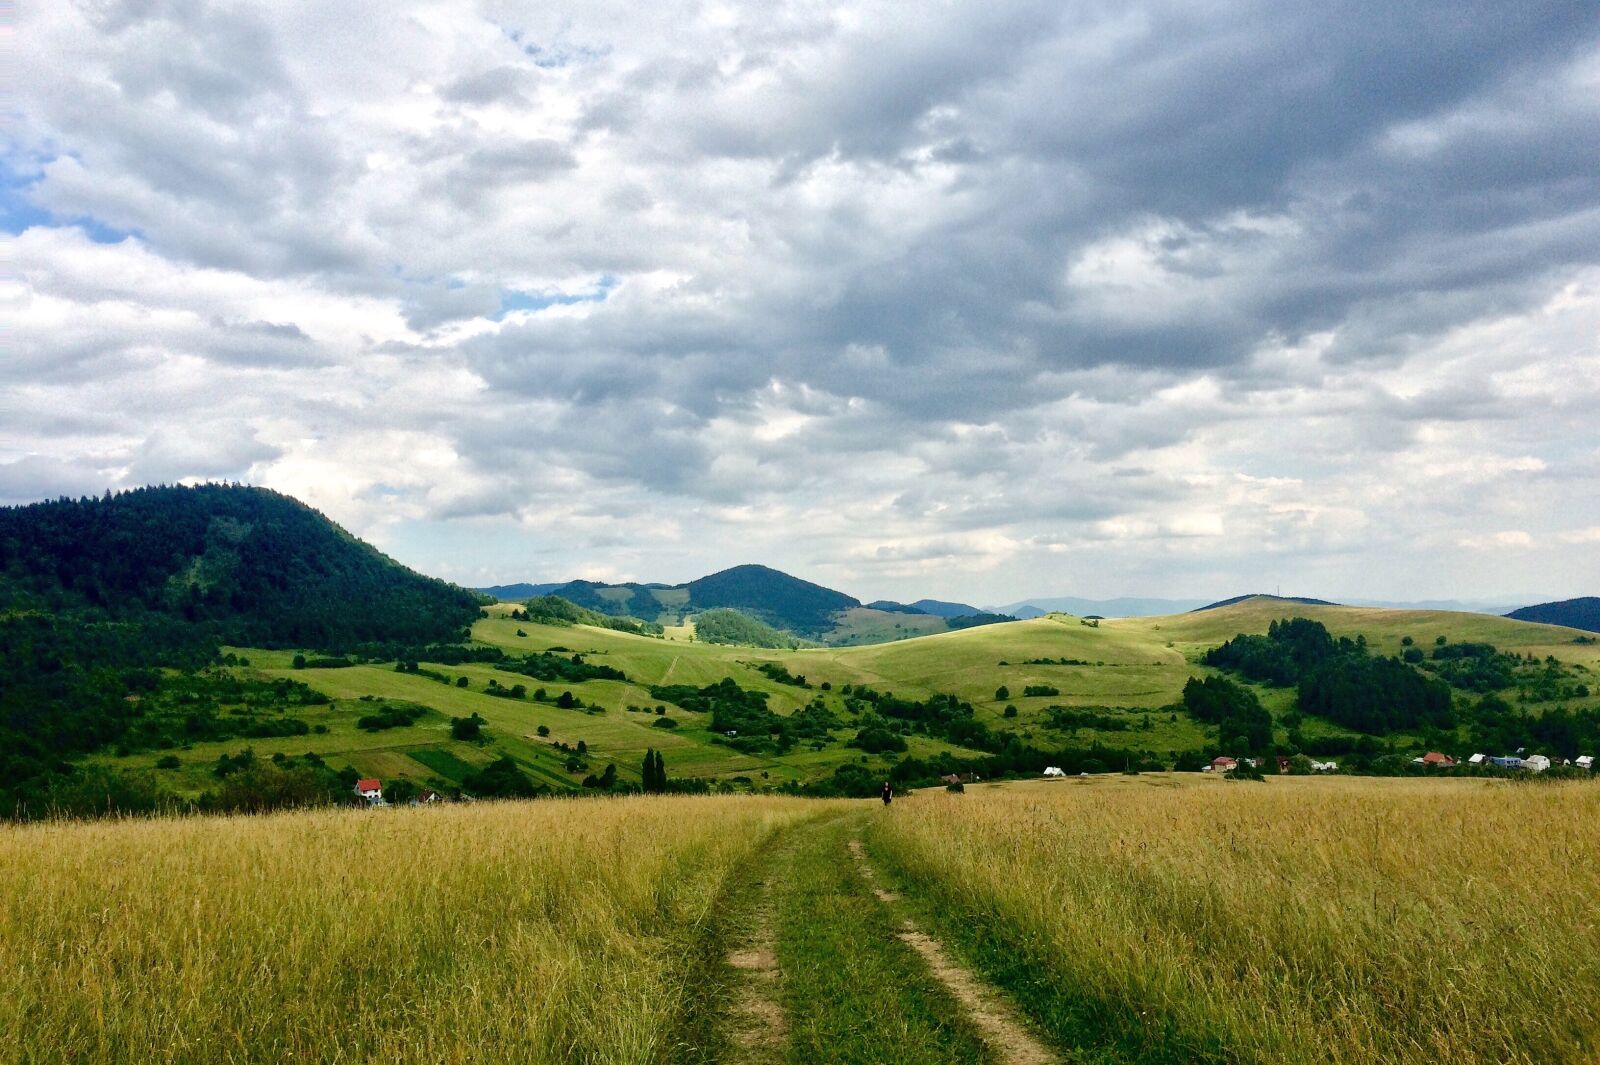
(798,607)
(253,566)
(1581,613)
(1263,597)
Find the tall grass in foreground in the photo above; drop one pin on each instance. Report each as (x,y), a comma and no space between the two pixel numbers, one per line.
(529,932)
(1296,921)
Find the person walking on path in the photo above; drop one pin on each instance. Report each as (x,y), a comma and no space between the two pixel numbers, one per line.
(888,793)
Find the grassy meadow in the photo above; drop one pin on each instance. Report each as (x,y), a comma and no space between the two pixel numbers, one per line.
(1129,667)
(555,931)
(1164,918)
(1153,918)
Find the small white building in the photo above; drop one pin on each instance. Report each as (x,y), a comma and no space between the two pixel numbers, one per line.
(1536,762)
(1478,759)
(1584,761)
(370,789)
(1324,767)
(1054,771)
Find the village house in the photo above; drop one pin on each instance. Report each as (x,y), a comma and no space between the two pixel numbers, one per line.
(370,789)
(1054,771)
(1536,762)
(1584,761)
(1506,761)
(1324,767)
(1283,763)
(427,797)
(1222,763)
(1478,759)
(1435,759)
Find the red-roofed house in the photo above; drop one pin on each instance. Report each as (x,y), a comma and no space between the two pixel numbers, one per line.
(1222,763)
(1441,760)
(370,789)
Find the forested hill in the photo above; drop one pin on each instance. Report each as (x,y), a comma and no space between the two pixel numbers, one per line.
(248,565)
(769,595)
(1581,613)
(773,596)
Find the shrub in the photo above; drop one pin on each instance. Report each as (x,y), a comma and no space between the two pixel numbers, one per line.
(466,728)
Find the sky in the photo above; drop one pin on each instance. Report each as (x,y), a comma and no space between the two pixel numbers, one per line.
(976,301)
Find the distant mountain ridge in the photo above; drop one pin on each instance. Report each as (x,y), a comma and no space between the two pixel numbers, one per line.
(518,592)
(768,595)
(936,607)
(1582,613)
(1125,607)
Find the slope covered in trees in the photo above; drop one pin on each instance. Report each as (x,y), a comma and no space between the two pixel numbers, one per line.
(252,566)
(97,593)
(1337,679)
(1583,613)
(726,625)
(774,597)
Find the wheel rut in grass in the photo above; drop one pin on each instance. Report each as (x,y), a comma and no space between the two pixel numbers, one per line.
(994,1018)
(758,1029)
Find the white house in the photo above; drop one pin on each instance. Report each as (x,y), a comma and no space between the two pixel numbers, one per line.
(1325,767)
(1536,762)
(1584,761)
(1053,771)
(1478,759)
(370,789)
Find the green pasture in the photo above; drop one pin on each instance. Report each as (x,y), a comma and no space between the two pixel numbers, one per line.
(1129,668)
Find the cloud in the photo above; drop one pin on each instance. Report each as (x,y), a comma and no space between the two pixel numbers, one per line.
(1021,299)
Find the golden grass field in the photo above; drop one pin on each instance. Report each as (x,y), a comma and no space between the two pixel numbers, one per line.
(562,930)
(1172,918)
(1301,920)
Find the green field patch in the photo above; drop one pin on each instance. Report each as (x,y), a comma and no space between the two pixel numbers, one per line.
(444,762)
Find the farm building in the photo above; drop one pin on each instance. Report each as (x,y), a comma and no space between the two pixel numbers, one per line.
(1478,759)
(1434,758)
(1222,763)
(1584,761)
(1536,762)
(1507,761)
(370,789)
(1325,767)
(1054,771)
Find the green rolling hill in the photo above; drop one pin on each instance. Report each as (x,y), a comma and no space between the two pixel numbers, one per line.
(339,660)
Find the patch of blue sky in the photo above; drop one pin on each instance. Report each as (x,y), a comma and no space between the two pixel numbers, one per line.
(554,57)
(19,212)
(515,300)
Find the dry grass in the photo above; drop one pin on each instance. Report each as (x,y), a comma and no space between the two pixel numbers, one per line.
(548,931)
(1297,921)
